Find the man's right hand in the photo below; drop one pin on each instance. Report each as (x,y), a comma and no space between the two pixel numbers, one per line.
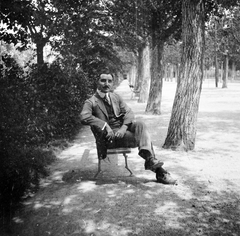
(110,134)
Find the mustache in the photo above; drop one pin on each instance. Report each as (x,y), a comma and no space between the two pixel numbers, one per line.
(106,86)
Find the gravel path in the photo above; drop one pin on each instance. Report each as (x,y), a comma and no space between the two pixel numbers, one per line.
(205,201)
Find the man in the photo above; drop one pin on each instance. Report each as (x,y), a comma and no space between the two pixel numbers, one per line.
(113,125)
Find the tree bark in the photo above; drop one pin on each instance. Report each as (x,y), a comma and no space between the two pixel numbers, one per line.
(145,82)
(138,81)
(157,74)
(216,70)
(177,73)
(40,43)
(171,72)
(40,60)
(225,71)
(182,127)
(233,77)
(216,56)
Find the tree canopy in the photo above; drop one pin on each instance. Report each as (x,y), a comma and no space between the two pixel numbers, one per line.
(41,104)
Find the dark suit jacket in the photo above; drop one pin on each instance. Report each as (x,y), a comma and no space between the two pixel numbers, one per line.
(94,112)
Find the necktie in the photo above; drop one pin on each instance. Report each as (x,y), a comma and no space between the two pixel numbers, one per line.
(106,99)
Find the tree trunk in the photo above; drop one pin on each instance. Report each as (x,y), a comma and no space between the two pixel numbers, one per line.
(157,74)
(132,74)
(233,70)
(182,127)
(171,72)
(145,82)
(216,56)
(177,73)
(40,45)
(225,71)
(165,65)
(139,77)
(216,70)
(221,75)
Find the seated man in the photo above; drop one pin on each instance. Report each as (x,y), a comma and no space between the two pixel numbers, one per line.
(113,125)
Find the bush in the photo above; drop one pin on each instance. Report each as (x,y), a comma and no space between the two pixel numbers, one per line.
(58,98)
(36,109)
(20,171)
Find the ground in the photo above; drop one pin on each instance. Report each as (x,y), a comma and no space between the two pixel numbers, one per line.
(205,201)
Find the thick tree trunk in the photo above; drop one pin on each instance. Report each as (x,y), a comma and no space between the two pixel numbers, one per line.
(157,74)
(182,127)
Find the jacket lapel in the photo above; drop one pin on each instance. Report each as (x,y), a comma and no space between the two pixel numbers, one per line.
(101,105)
(114,102)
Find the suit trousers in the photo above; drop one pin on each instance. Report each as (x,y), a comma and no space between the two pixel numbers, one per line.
(136,135)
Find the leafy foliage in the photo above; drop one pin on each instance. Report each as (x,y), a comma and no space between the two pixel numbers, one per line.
(172,53)
(91,37)
(44,104)
(35,110)
(223,35)
(87,38)
(28,19)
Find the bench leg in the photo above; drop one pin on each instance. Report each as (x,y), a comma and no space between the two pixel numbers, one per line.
(126,164)
(99,169)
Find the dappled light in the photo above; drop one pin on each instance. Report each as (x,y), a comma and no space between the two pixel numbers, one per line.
(206,199)
(175,64)
(87,186)
(68,199)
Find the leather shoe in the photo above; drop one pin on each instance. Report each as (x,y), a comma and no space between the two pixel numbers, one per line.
(152,164)
(164,177)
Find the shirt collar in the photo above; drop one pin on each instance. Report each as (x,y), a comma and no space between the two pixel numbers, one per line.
(101,94)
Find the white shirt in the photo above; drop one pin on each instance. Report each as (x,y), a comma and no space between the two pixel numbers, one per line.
(102,95)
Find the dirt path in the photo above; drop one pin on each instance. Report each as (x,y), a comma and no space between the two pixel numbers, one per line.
(205,201)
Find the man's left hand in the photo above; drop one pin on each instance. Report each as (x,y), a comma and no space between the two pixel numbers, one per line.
(120,133)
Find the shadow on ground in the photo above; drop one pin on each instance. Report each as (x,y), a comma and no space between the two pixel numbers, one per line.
(121,205)
(205,201)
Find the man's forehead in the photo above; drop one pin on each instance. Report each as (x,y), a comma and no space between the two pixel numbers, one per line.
(106,76)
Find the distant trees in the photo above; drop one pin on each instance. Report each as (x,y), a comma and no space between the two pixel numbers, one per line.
(165,22)
(150,23)
(172,57)
(29,20)
(79,30)
(223,41)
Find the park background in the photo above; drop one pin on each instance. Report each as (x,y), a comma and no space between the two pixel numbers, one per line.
(52,53)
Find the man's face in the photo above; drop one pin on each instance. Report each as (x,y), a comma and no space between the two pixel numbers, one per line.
(105,83)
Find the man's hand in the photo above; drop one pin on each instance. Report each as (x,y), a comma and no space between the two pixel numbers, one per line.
(121,132)
(110,134)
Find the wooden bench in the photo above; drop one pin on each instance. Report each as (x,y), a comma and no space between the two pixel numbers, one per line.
(123,151)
